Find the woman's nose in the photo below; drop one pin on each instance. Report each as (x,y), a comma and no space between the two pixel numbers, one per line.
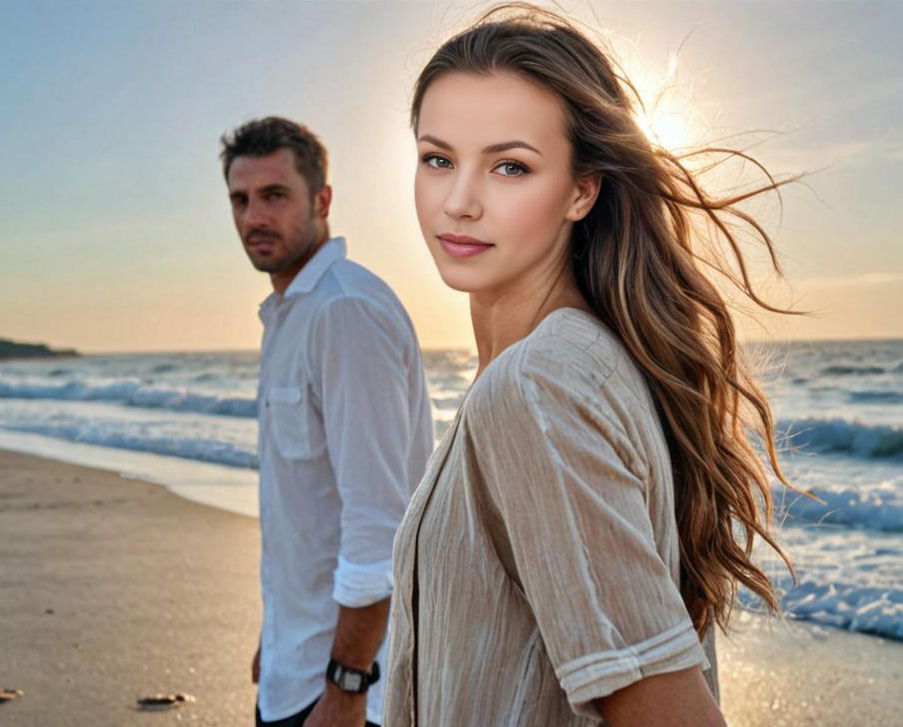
(463,199)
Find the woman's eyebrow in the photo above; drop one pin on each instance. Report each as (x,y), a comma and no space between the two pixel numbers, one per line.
(506,145)
(492,149)
(436,142)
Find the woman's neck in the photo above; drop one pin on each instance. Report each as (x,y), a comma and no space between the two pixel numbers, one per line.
(500,320)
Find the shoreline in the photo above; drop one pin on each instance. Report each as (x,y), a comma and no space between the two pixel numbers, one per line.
(116,588)
(231,489)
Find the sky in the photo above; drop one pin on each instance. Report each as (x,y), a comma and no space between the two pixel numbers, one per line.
(115,229)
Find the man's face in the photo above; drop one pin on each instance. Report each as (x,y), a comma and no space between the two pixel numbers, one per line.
(280,224)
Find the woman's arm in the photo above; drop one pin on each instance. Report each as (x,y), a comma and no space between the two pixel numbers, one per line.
(677,699)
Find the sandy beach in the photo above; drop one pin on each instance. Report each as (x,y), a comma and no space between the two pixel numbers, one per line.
(113,589)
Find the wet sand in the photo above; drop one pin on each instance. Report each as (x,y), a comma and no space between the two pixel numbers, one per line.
(797,674)
(113,589)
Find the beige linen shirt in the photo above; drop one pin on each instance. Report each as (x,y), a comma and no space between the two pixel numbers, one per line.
(537,566)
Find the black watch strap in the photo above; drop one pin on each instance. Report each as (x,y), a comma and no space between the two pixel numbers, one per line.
(349,679)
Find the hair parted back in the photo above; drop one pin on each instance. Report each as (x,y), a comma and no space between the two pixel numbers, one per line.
(262,137)
(644,266)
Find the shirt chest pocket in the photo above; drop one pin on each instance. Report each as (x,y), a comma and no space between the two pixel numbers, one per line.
(294,423)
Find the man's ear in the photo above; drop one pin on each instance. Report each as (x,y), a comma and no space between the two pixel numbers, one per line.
(322,201)
(588,187)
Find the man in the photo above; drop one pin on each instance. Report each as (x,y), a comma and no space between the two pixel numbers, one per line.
(344,435)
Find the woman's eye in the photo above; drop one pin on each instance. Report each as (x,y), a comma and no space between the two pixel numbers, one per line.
(436,162)
(512,169)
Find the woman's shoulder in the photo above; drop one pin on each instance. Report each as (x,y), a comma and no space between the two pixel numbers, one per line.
(573,381)
(570,345)
(570,356)
(581,336)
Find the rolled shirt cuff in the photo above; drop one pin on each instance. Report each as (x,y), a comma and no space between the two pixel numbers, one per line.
(357,585)
(598,675)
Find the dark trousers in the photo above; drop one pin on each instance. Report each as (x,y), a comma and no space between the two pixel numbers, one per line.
(296,720)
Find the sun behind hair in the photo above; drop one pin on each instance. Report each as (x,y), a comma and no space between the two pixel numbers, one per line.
(644,266)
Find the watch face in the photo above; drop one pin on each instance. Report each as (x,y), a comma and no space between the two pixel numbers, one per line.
(351,682)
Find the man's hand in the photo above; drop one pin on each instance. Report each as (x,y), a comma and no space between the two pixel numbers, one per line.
(338,709)
(359,632)
(255,667)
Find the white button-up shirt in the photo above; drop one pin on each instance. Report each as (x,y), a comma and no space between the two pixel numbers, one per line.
(344,435)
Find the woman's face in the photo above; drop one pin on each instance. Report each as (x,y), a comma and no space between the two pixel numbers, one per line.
(495,194)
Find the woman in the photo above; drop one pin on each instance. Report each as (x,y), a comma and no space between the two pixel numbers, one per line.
(573,541)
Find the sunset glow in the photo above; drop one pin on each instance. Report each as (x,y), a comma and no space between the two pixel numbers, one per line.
(667,117)
(117,232)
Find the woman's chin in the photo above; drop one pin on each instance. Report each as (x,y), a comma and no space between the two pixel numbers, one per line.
(463,283)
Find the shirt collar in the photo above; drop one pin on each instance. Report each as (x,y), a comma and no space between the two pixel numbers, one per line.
(308,277)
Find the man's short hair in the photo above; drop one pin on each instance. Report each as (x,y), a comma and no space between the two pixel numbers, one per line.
(262,137)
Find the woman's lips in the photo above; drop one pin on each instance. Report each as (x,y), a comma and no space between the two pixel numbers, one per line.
(461,246)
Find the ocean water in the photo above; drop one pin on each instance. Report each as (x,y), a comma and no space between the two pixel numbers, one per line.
(187,420)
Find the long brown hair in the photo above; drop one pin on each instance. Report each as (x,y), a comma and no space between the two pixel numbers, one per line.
(641,261)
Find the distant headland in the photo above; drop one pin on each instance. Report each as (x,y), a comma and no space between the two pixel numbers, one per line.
(12,349)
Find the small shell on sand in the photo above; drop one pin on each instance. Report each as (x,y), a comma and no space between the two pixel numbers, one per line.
(8,694)
(165,701)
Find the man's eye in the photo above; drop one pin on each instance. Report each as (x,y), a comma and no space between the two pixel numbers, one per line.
(512,169)
(436,161)
(275,195)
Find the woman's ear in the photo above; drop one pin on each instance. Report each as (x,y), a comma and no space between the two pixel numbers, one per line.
(586,192)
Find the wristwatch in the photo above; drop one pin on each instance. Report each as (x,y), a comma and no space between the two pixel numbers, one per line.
(351,680)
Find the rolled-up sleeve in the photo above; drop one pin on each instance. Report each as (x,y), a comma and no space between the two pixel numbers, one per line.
(569,487)
(361,366)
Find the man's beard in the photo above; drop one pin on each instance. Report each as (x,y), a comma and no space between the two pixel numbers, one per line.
(304,238)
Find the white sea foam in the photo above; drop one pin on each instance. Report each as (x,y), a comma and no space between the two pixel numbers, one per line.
(230,441)
(875,611)
(129,392)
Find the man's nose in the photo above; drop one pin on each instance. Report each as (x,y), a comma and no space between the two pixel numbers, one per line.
(463,199)
(255,214)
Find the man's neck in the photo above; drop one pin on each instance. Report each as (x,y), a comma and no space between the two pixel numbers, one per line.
(282,279)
